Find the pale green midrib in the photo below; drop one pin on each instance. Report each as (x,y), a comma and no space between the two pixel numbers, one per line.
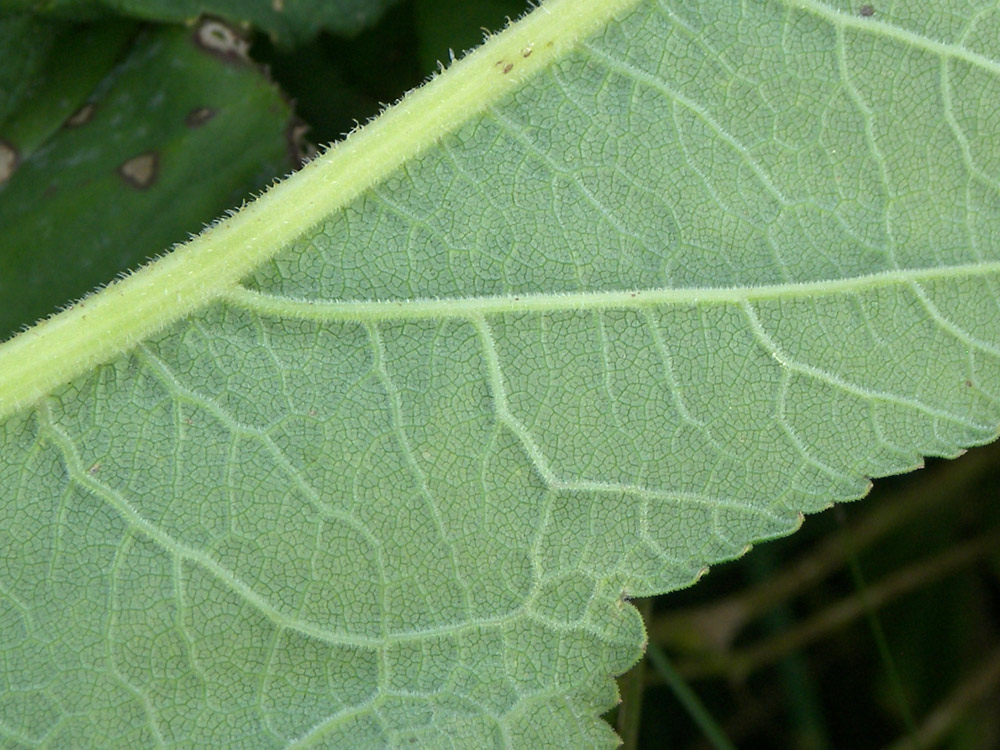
(99,328)
(128,311)
(873,25)
(472,307)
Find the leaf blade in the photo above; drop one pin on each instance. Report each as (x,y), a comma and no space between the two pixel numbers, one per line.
(423,528)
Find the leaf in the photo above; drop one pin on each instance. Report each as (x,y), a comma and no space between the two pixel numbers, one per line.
(338,83)
(26,43)
(378,460)
(446,28)
(131,157)
(286,20)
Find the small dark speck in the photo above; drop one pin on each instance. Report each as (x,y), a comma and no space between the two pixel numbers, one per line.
(867,11)
(968,383)
(81,117)
(507,68)
(199,116)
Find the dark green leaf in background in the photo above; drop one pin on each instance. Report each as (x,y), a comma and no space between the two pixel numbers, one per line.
(66,64)
(285,20)
(109,163)
(337,83)
(25,43)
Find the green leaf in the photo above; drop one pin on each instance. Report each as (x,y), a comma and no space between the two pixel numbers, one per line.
(286,20)
(45,91)
(26,43)
(377,461)
(338,83)
(447,28)
(130,157)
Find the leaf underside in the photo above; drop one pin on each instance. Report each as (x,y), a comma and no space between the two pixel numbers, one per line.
(713,270)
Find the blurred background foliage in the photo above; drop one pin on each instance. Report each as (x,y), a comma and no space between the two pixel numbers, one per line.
(877,625)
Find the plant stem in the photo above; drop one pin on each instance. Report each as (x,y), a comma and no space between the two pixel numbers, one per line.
(947,713)
(742,662)
(716,625)
(632,685)
(878,632)
(804,708)
(687,697)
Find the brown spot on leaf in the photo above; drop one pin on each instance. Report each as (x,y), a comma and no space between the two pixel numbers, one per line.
(222,40)
(140,171)
(507,68)
(8,161)
(81,117)
(199,116)
(278,5)
(867,11)
(526,52)
(968,383)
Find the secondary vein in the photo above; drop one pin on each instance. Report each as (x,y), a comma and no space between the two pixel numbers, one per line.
(112,321)
(468,308)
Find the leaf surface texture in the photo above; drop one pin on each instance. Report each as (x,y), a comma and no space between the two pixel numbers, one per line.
(711,270)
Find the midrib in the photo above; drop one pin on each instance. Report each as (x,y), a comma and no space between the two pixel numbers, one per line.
(102,326)
(210,267)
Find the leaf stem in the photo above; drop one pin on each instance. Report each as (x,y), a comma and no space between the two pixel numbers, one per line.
(632,685)
(106,324)
(947,713)
(688,698)
(740,663)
